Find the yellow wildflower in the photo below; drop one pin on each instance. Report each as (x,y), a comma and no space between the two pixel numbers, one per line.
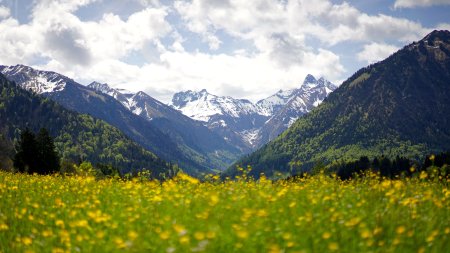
(400,230)
(132,235)
(326,235)
(164,235)
(333,246)
(27,241)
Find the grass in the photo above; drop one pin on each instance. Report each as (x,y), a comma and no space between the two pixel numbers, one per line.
(314,214)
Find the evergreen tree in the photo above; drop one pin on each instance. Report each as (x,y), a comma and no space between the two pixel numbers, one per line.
(36,154)
(385,167)
(26,158)
(48,158)
(5,152)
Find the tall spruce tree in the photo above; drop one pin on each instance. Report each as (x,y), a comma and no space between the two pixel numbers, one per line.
(48,158)
(25,159)
(5,151)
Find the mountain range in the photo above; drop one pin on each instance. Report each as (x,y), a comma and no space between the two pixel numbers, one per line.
(78,137)
(198,131)
(206,147)
(399,106)
(250,125)
(169,134)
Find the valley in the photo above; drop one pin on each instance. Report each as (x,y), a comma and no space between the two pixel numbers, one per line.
(224,126)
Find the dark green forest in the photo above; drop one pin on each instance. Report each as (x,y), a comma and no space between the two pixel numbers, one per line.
(435,165)
(78,137)
(36,153)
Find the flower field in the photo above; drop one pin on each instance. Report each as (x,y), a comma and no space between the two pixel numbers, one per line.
(313,214)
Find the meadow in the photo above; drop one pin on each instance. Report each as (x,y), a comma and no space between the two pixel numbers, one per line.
(312,214)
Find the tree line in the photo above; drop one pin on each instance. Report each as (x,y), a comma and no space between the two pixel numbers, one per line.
(391,168)
(36,153)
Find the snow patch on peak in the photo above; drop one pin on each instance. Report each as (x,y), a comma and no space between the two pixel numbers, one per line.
(203,105)
(272,104)
(107,89)
(101,87)
(36,80)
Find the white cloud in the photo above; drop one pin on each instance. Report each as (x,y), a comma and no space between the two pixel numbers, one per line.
(331,23)
(280,30)
(4,12)
(375,52)
(443,26)
(213,42)
(115,38)
(56,33)
(245,76)
(419,3)
(274,44)
(19,44)
(346,23)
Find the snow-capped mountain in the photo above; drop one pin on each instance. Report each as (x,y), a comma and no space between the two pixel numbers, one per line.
(142,104)
(215,128)
(139,103)
(300,102)
(38,81)
(308,96)
(181,128)
(251,125)
(203,105)
(275,102)
(113,92)
(304,99)
(157,127)
(236,120)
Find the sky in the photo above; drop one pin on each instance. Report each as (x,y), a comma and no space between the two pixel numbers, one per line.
(240,48)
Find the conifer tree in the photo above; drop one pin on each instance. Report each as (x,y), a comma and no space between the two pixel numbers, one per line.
(48,158)
(5,151)
(36,154)
(25,159)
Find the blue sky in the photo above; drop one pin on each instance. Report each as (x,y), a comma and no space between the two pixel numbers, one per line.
(246,49)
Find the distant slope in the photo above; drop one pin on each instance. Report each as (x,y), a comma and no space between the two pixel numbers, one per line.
(218,153)
(247,125)
(299,102)
(398,106)
(82,99)
(78,137)
(236,120)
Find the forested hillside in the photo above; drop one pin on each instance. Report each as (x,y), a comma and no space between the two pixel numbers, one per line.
(78,137)
(399,106)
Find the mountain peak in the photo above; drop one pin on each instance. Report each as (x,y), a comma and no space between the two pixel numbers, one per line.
(436,38)
(309,79)
(141,94)
(437,34)
(36,80)
(203,105)
(21,67)
(102,87)
(325,83)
